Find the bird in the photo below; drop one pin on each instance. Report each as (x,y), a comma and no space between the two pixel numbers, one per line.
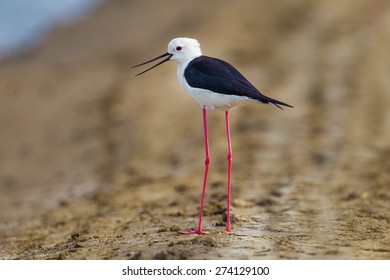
(215,85)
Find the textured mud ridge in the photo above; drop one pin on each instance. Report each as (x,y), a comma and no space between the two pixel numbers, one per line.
(97,164)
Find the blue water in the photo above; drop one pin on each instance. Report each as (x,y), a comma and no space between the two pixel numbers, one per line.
(25,22)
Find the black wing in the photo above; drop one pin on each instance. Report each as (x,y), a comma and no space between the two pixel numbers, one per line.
(221,77)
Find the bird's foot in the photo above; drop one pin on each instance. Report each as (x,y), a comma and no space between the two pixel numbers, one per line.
(198,231)
(228,229)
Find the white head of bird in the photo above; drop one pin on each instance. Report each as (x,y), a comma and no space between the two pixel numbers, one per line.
(184,49)
(180,50)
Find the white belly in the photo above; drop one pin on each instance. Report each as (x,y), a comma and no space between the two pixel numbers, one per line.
(216,101)
(209,99)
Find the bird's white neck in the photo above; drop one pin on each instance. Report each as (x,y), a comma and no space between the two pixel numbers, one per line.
(181,67)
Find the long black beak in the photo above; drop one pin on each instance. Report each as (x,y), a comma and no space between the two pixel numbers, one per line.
(161,62)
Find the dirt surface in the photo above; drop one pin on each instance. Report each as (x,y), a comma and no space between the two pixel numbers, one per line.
(98,164)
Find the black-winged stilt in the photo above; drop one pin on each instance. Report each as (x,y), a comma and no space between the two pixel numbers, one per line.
(216,85)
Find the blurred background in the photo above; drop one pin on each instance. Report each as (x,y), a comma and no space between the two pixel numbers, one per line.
(88,152)
(24,23)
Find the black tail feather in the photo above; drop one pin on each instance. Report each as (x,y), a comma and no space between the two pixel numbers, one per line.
(277,103)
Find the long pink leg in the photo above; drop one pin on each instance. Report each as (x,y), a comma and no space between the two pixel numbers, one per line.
(230,160)
(206,172)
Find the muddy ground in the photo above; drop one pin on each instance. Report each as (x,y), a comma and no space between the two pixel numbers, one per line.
(98,164)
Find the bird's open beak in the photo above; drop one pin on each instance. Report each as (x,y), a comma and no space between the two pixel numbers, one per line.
(161,62)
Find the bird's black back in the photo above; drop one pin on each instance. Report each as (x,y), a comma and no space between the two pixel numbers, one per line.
(219,76)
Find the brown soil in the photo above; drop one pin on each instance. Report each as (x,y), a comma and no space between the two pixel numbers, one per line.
(98,164)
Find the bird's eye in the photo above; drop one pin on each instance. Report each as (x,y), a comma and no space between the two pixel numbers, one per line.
(178,48)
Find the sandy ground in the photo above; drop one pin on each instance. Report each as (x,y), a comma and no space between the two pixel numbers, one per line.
(98,164)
